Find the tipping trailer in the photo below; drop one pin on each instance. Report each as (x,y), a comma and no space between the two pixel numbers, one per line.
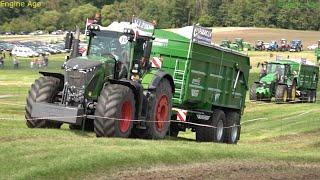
(286,80)
(210,84)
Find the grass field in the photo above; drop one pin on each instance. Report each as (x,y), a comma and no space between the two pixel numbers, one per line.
(277,142)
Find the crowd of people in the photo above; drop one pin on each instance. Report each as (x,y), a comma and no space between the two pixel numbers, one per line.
(36,62)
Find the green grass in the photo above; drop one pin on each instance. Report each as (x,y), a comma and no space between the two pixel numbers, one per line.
(286,135)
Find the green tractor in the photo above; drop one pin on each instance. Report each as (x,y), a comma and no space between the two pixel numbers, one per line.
(102,91)
(228,44)
(317,51)
(286,80)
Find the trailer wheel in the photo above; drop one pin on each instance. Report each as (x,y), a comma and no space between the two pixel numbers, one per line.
(314,96)
(233,127)
(253,93)
(114,111)
(159,110)
(215,133)
(43,89)
(281,94)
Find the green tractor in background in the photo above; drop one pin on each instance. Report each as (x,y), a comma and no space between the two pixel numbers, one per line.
(102,91)
(286,80)
(317,51)
(242,45)
(227,43)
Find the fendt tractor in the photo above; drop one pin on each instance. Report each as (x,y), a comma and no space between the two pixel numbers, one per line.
(134,83)
(286,81)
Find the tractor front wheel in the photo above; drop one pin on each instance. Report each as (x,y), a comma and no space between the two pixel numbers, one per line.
(114,111)
(281,94)
(43,89)
(159,110)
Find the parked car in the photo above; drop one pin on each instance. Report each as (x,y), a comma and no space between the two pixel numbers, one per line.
(266,45)
(296,46)
(312,47)
(21,51)
(273,46)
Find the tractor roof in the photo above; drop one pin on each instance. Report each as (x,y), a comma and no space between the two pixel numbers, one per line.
(121,26)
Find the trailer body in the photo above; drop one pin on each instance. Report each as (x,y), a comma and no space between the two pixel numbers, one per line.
(206,77)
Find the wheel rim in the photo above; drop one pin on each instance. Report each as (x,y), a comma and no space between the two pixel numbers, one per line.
(285,95)
(234,132)
(126,116)
(293,93)
(162,110)
(219,130)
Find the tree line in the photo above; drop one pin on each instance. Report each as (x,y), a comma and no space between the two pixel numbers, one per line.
(66,14)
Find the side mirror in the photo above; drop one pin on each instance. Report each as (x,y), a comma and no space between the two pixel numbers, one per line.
(147,49)
(68,40)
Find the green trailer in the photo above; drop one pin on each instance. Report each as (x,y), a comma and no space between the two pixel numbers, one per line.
(210,86)
(286,80)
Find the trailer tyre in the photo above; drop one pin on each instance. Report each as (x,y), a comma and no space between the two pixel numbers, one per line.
(233,127)
(215,133)
(253,93)
(281,94)
(44,89)
(114,111)
(159,110)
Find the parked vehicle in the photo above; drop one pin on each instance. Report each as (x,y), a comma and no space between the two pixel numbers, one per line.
(273,46)
(296,46)
(259,45)
(284,46)
(312,47)
(286,80)
(108,88)
(228,44)
(21,51)
(266,45)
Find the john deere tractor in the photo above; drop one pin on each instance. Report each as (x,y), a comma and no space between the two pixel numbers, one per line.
(286,80)
(107,88)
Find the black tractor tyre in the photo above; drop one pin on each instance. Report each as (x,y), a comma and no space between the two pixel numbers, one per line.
(216,133)
(88,126)
(114,112)
(253,93)
(281,95)
(233,127)
(43,89)
(159,110)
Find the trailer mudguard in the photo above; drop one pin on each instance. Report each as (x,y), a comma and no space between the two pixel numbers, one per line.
(152,78)
(56,75)
(137,90)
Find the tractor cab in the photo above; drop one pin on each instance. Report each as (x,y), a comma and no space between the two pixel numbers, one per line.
(225,43)
(123,43)
(239,42)
(274,72)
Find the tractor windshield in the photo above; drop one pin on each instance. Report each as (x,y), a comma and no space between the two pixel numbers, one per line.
(276,69)
(104,43)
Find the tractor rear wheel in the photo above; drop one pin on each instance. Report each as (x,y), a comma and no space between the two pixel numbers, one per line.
(43,89)
(159,110)
(253,93)
(216,133)
(281,94)
(233,127)
(114,111)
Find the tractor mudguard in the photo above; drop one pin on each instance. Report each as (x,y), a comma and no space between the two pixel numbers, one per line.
(137,90)
(56,75)
(152,79)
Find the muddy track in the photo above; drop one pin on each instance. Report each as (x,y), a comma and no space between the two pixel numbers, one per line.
(225,170)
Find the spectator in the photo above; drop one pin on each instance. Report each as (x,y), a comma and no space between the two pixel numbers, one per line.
(33,63)
(15,62)
(1,62)
(46,61)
